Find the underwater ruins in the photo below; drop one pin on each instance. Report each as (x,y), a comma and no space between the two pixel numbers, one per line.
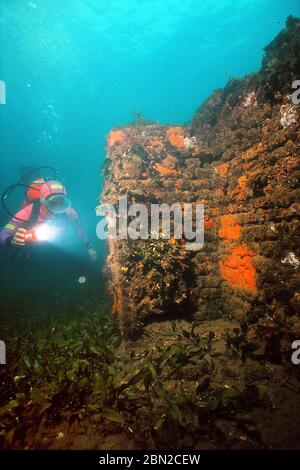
(239,156)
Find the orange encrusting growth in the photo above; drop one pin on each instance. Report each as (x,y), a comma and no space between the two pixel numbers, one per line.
(253,152)
(155,143)
(214,212)
(165,171)
(219,192)
(242,181)
(222,169)
(230,229)
(116,137)
(242,187)
(176,137)
(208,223)
(237,269)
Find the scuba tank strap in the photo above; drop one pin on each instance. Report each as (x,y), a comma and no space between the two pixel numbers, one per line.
(30,224)
(36,205)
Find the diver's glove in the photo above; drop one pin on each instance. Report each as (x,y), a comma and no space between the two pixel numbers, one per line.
(19,237)
(92,255)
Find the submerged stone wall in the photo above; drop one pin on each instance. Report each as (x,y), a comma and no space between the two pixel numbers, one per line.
(239,156)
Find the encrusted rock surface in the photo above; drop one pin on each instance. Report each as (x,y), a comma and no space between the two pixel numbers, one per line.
(239,156)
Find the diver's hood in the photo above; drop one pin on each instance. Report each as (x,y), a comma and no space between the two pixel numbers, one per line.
(51,187)
(54,196)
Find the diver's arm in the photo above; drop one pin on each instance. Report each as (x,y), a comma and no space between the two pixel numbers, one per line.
(7,234)
(74,218)
(13,232)
(12,235)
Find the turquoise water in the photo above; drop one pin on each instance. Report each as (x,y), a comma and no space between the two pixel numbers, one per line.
(74,69)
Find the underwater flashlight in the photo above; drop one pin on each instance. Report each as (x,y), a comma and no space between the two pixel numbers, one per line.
(44,232)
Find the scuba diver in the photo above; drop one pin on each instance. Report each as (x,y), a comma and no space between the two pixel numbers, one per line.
(44,215)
